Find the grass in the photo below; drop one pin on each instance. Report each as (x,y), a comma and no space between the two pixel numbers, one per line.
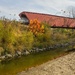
(19,64)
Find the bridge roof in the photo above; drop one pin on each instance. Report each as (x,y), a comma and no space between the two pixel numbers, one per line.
(53,20)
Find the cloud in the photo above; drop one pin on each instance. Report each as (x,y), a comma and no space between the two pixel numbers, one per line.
(43,6)
(56,4)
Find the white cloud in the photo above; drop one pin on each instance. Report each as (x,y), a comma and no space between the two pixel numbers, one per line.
(56,4)
(43,6)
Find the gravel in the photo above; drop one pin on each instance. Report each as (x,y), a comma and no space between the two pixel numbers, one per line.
(64,65)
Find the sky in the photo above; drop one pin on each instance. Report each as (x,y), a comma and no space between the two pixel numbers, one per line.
(11,8)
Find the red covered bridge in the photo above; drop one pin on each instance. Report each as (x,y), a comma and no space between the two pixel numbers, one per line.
(52,20)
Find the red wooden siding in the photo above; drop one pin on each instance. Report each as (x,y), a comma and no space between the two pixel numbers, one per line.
(54,21)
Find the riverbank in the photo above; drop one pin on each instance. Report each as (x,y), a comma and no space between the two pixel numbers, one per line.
(64,65)
(66,46)
(17,65)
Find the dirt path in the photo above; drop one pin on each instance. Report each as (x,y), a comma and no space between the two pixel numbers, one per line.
(61,66)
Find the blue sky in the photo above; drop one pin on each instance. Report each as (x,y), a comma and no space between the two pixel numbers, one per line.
(11,8)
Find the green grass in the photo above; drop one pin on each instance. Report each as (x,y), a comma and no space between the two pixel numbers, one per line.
(17,65)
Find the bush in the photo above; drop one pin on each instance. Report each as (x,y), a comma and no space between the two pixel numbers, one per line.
(25,41)
(36,27)
(14,36)
(44,39)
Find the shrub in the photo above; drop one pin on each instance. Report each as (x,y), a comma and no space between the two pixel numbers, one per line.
(25,41)
(7,36)
(14,36)
(44,39)
(36,27)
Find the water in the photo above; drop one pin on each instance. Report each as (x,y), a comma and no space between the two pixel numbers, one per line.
(23,63)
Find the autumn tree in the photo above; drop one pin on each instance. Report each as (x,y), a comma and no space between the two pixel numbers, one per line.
(36,27)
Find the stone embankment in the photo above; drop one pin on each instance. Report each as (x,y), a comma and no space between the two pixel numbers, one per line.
(26,52)
(64,65)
